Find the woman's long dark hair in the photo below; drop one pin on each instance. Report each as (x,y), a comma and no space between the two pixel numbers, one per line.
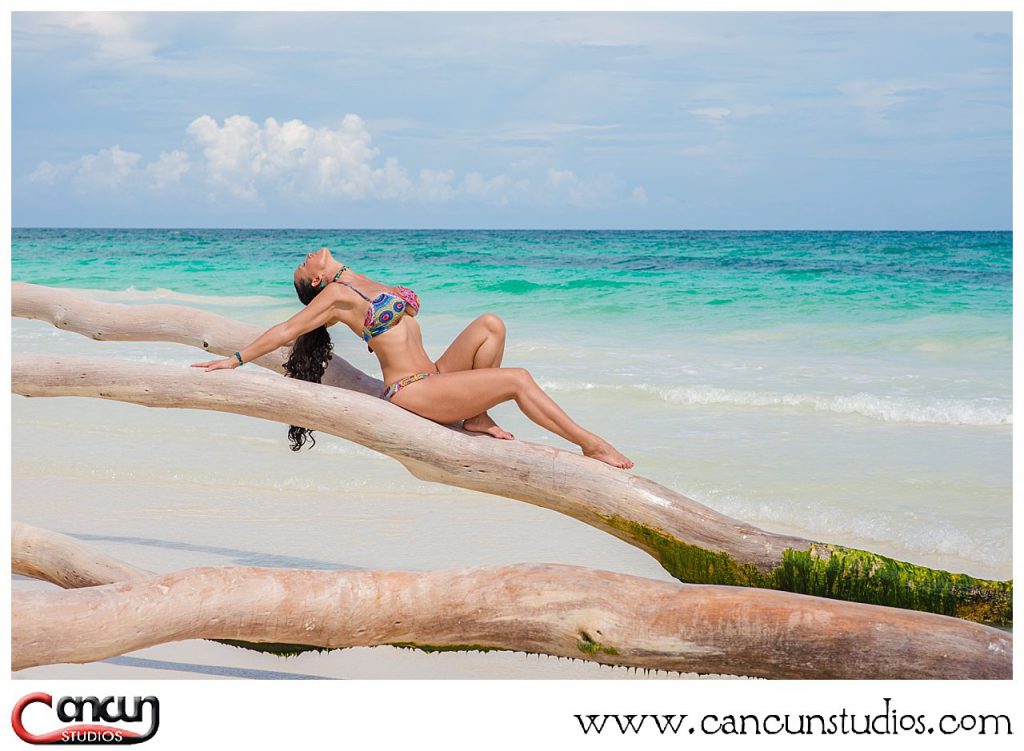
(308,360)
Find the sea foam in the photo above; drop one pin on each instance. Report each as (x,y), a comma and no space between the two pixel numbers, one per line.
(979,412)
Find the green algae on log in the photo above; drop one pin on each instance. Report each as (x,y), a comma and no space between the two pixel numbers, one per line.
(429,648)
(588,645)
(585,645)
(836,572)
(274,648)
(292,650)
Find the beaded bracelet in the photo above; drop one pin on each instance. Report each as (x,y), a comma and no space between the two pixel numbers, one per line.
(239,358)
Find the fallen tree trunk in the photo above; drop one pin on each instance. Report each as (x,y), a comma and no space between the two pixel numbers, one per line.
(71,311)
(693,542)
(64,561)
(558,610)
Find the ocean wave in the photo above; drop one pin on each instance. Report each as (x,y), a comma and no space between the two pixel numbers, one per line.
(980,548)
(872,406)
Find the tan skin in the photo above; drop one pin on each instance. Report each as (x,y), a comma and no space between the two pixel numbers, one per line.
(468,378)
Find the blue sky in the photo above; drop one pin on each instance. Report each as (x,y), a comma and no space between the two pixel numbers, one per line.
(547,120)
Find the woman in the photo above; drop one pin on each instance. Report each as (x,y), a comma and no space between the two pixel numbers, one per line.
(463,384)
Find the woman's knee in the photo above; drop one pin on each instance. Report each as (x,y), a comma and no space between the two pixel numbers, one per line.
(521,378)
(492,323)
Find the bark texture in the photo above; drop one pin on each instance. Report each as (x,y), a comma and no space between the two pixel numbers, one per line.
(566,611)
(64,561)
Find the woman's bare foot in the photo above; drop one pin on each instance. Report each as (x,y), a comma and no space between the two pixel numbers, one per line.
(605,452)
(483,423)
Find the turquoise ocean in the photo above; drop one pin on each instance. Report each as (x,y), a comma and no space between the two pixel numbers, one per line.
(851,387)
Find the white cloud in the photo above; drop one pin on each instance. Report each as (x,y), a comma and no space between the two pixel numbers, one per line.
(567,186)
(543,131)
(878,96)
(734,111)
(638,196)
(169,168)
(500,189)
(248,159)
(45,173)
(252,162)
(436,185)
(117,35)
(113,168)
(108,167)
(879,101)
(711,113)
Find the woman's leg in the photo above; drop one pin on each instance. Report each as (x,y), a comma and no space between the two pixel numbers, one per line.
(453,396)
(480,345)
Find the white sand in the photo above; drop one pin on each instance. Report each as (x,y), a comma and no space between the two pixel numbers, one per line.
(157,510)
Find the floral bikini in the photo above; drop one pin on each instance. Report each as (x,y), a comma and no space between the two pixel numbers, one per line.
(384,313)
(401,383)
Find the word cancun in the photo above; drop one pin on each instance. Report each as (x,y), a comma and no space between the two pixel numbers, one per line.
(90,713)
(887,722)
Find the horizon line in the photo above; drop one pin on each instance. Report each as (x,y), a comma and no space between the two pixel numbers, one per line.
(505,229)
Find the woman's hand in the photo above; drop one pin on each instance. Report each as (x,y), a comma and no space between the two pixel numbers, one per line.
(229,363)
(320,312)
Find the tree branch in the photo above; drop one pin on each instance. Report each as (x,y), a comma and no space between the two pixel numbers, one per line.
(180,324)
(64,561)
(566,611)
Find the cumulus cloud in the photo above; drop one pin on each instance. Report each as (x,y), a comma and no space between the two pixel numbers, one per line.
(114,168)
(437,185)
(108,168)
(248,159)
(500,189)
(567,186)
(169,168)
(242,160)
(46,173)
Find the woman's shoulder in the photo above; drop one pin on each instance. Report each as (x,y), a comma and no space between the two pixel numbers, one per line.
(338,294)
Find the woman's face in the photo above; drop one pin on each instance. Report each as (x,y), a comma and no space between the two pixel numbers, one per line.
(314,268)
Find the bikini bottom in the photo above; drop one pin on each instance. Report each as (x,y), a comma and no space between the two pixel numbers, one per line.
(394,388)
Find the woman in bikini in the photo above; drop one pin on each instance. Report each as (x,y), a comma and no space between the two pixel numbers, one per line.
(462,384)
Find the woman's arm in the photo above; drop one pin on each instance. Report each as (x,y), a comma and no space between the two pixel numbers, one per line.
(320,312)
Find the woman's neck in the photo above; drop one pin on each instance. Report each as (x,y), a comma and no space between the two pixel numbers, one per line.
(335,270)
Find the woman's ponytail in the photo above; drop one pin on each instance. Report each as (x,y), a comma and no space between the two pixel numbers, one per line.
(308,360)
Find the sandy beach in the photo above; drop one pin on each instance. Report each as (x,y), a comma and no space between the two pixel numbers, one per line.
(862,426)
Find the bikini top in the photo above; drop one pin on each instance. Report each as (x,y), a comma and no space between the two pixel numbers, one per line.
(385,310)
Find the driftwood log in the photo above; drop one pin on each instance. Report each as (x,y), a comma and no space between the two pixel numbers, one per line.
(693,542)
(558,610)
(64,561)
